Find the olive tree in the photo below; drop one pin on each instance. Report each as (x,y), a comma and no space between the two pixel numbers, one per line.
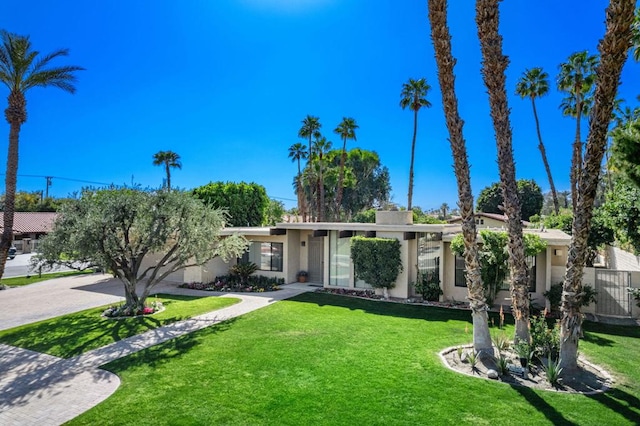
(139,236)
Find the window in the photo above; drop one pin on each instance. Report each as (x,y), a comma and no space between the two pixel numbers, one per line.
(461,275)
(268,256)
(339,260)
(531,271)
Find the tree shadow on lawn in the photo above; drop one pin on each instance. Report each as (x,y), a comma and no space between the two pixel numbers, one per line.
(554,416)
(380,307)
(163,353)
(621,402)
(612,329)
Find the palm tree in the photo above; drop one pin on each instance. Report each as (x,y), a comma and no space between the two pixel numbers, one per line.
(310,129)
(441,39)
(613,50)
(170,160)
(413,95)
(635,36)
(298,152)
(321,146)
(21,69)
(347,130)
(533,84)
(494,64)
(576,78)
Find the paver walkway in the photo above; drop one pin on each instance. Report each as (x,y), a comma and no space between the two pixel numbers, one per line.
(42,389)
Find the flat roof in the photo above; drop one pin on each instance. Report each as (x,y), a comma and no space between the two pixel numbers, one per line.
(551,236)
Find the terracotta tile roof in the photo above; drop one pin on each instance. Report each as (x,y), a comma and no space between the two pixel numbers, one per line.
(31,222)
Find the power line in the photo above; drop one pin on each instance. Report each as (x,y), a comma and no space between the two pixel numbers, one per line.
(65,178)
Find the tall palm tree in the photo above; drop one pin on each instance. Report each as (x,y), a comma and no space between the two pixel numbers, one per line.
(494,65)
(170,160)
(414,96)
(321,146)
(310,129)
(22,69)
(576,78)
(347,130)
(298,152)
(441,39)
(533,84)
(613,48)
(635,35)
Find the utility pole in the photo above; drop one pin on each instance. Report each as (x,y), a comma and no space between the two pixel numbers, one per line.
(48,179)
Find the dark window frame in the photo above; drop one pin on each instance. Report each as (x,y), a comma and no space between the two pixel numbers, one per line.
(274,248)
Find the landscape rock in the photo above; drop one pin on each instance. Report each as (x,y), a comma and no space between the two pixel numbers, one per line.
(492,374)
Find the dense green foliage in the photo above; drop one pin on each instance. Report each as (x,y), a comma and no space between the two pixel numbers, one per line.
(494,257)
(376,260)
(365,363)
(275,212)
(626,150)
(80,332)
(554,296)
(428,286)
(33,202)
(246,203)
(529,193)
(116,229)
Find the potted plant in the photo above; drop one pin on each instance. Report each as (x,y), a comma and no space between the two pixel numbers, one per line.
(302,276)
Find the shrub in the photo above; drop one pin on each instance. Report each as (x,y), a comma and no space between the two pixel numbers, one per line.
(428,285)
(376,260)
(554,295)
(553,371)
(501,341)
(502,364)
(243,270)
(544,339)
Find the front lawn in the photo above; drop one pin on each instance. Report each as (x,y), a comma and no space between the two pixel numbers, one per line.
(325,359)
(73,334)
(32,279)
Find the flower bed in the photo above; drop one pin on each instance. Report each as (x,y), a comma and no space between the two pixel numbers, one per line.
(366,294)
(123,311)
(227,283)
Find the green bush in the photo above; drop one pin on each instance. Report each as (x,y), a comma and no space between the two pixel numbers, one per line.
(544,340)
(376,260)
(554,295)
(428,285)
(243,270)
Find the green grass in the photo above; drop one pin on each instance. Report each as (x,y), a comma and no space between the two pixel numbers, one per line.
(323,359)
(31,279)
(73,334)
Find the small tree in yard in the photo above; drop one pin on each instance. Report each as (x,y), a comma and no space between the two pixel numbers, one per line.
(376,261)
(117,229)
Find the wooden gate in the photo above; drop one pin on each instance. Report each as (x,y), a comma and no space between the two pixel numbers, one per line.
(613,297)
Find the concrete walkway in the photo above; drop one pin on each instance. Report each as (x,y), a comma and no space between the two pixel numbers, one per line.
(41,389)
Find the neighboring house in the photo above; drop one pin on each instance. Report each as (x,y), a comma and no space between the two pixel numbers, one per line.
(488,220)
(324,251)
(28,227)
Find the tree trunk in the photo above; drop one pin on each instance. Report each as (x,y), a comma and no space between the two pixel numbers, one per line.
(493,72)
(613,50)
(413,150)
(168,176)
(441,39)
(16,115)
(341,178)
(543,152)
(576,160)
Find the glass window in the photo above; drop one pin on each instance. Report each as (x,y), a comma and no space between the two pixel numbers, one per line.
(531,272)
(339,260)
(461,275)
(268,256)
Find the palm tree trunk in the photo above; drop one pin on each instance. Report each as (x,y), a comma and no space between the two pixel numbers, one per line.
(166,165)
(413,150)
(613,50)
(10,194)
(493,72)
(321,207)
(16,114)
(441,39)
(576,160)
(543,152)
(341,178)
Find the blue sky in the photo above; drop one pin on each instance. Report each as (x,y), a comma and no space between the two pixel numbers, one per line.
(225,84)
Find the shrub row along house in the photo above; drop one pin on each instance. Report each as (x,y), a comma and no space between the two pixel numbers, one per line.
(323,250)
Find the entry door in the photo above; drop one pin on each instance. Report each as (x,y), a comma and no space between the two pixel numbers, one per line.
(316,263)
